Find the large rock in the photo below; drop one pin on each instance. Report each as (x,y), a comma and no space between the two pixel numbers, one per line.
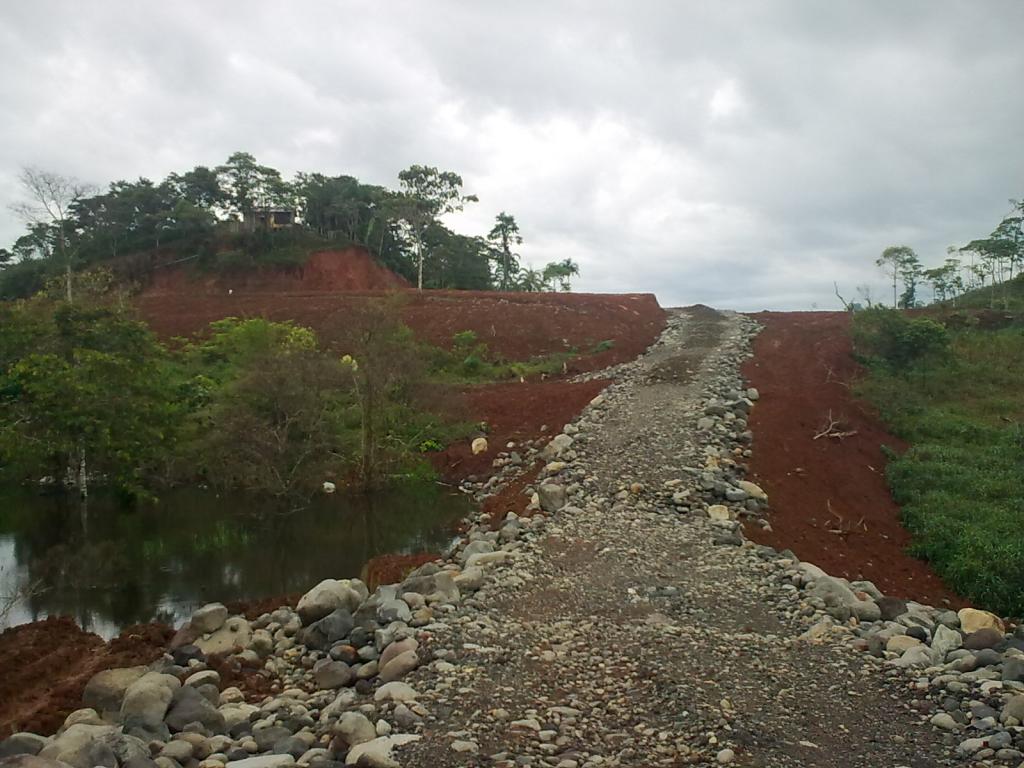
(396,648)
(377,752)
(551,496)
(841,602)
(971,620)
(753,490)
(945,640)
(82,746)
(436,587)
(209,618)
(399,666)
(147,699)
(355,728)
(330,674)
(325,632)
(234,636)
(30,761)
(395,691)
(330,595)
(105,690)
(263,761)
(190,706)
(21,744)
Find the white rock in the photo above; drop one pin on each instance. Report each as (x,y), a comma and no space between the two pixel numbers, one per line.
(377,753)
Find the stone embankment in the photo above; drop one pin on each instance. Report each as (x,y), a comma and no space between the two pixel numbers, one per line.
(622,620)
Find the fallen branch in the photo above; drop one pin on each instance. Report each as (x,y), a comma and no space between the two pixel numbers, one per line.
(833,430)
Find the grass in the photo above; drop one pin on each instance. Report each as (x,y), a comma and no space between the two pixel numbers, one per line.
(961,483)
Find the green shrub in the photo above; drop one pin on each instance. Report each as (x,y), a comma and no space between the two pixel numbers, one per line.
(889,337)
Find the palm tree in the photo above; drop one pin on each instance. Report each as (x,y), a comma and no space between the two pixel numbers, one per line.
(558,274)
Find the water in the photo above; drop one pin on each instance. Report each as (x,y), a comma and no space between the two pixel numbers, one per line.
(114,566)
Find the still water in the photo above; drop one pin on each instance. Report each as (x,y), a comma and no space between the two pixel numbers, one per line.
(113,566)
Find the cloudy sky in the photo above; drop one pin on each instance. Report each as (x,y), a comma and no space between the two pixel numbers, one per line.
(739,154)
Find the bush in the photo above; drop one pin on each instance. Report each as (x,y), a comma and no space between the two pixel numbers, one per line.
(889,337)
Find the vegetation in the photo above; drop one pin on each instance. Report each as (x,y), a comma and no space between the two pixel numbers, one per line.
(88,394)
(985,272)
(953,397)
(242,214)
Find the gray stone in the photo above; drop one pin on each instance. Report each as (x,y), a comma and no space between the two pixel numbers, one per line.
(1013,670)
(190,706)
(945,640)
(105,690)
(209,618)
(22,744)
(355,728)
(330,674)
(30,761)
(148,698)
(395,691)
(80,746)
(330,595)
(263,761)
(234,636)
(325,632)
(551,496)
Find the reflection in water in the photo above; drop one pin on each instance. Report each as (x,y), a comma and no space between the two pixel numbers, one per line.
(118,566)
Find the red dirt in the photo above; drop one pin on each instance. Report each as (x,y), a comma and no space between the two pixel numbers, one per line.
(46,665)
(347,269)
(802,367)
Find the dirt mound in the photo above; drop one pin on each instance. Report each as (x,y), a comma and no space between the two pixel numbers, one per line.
(515,326)
(346,269)
(46,665)
(830,501)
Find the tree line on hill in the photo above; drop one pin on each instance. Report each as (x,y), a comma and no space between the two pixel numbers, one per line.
(243,214)
(991,262)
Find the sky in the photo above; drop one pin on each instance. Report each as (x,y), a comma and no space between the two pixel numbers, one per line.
(744,155)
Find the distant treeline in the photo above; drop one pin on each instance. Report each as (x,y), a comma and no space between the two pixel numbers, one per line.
(243,214)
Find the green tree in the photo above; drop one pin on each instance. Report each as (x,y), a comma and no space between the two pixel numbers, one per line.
(248,186)
(892,262)
(503,235)
(429,193)
(557,275)
(89,398)
(910,273)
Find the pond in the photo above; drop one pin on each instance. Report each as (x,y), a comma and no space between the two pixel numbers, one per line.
(114,566)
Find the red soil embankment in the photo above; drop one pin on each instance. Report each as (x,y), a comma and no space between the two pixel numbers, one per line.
(830,501)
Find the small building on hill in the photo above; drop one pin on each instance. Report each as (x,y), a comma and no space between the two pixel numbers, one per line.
(268,218)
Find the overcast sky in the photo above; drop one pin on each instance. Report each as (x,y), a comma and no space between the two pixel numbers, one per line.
(739,154)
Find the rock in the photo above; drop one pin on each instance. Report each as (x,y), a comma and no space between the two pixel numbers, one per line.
(945,640)
(474,548)
(29,761)
(945,721)
(81,746)
(465,747)
(435,587)
(479,446)
(393,609)
(891,608)
(916,656)
(397,648)
(551,496)
(487,558)
(971,620)
(900,643)
(377,752)
(262,761)
(178,750)
(1013,670)
(330,674)
(88,715)
(986,637)
(1014,708)
(355,728)
(470,580)
(558,445)
(399,666)
(235,635)
(147,699)
(330,595)
(719,512)
(842,602)
(325,632)
(205,677)
(725,756)
(209,618)
(105,690)
(190,706)
(395,691)
(753,490)
(22,744)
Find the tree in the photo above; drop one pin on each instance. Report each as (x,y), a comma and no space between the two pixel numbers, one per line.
(910,273)
(504,234)
(50,199)
(429,193)
(557,275)
(531,280)
(248,186)
(84,397)
(892,262)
